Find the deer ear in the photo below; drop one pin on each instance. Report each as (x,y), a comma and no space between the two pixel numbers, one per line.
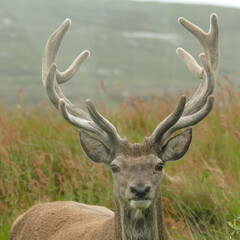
(177,146)
(94,148)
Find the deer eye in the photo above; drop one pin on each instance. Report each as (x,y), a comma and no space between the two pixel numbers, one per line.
(159,167)
(114,168)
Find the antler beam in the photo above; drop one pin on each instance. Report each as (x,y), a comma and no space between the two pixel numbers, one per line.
(92,121)
(201,103)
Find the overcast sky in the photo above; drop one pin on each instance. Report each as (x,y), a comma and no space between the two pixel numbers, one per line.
(227,3)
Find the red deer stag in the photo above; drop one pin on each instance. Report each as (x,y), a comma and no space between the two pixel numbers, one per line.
(136,168)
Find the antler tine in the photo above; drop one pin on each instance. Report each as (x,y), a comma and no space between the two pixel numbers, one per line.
(205,89)
(84,124)
(104,130)
(191,63)
(168,122)
(103,123)
(80,123)
(63,77)
(209,40)
(50,72)
(92,121)
(191,120)
(52,46)
(51,51)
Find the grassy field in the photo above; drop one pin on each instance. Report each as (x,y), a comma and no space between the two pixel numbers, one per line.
(41,160)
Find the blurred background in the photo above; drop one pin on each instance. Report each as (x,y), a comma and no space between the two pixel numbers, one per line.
(132,45)
(133,68)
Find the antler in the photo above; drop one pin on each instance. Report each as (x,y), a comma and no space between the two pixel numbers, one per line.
(92,121)
(201,103)
(185,114)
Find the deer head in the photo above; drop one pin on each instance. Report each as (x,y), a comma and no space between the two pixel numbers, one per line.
(137,168)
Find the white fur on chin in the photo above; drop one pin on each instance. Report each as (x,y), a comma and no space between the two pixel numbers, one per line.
(140,204)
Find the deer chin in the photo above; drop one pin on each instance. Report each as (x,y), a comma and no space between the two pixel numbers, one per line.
(140,204)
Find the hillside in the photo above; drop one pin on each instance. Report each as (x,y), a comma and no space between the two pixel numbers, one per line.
(132,44)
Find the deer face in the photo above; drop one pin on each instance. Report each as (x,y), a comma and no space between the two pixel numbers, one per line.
(137,168)
(137,179)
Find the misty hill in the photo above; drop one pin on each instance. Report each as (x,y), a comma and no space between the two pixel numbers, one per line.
(132,44)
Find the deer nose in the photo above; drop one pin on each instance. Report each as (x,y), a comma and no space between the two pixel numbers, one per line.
(140,192)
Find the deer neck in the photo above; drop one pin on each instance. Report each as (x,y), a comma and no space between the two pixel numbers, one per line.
(132,224)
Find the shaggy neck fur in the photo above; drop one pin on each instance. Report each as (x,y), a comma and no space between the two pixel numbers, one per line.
(132,224)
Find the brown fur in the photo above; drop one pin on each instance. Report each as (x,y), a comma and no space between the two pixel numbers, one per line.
(64,220)
(137,149)
(76,221)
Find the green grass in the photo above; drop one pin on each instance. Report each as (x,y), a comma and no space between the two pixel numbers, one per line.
(41,160)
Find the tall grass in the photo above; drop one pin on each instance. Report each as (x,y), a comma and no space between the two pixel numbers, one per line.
(41,160)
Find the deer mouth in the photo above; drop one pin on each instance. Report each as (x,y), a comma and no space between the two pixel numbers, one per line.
(140,203)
